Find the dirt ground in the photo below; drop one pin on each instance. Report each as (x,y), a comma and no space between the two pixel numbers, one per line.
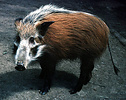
(104,85)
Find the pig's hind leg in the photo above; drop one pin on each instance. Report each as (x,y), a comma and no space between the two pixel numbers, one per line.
(86,68)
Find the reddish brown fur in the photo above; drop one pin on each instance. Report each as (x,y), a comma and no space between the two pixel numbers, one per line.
(75,35)
(25,30)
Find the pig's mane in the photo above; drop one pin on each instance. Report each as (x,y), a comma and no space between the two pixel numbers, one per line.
(43,11)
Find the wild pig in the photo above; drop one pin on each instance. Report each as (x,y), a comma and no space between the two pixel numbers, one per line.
(51,34)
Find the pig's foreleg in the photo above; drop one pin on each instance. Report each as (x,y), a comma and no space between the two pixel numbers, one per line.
(48,63)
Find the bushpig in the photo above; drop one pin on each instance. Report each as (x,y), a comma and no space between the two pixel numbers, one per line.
(50,34)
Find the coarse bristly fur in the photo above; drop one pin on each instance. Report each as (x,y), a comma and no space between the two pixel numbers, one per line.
(43,11)
(52,34)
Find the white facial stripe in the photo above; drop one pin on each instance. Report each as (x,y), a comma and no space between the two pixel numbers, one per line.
(21,51)
(16,56)
(34,45)
(39,52)
(16,44)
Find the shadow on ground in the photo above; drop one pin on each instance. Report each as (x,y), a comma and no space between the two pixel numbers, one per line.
(14,82)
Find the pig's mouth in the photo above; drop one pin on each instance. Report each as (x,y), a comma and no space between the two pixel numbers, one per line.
(20,68)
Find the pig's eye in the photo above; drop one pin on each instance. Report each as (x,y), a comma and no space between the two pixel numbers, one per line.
(31,40)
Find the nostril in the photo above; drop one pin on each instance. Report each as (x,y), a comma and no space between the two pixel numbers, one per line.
(20,63)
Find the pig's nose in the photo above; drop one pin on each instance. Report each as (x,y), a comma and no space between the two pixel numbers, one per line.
(20,66)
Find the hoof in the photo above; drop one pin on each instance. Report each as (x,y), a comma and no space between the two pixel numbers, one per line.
(72,91)
(44,91)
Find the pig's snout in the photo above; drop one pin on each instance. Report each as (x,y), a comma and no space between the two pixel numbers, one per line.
(20,66)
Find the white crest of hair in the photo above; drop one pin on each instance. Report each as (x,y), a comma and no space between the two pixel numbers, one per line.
(40,13)
(43,11)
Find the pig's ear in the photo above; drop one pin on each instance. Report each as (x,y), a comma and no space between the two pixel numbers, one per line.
(42,28)
(18,21)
